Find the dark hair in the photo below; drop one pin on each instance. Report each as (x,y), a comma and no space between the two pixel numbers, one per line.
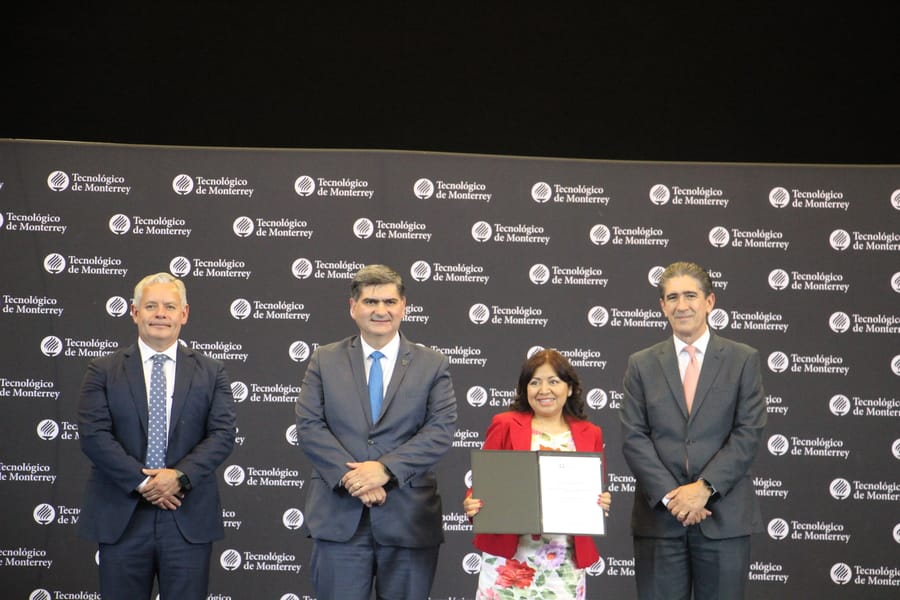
(679,269)
(376,275)
(574,406)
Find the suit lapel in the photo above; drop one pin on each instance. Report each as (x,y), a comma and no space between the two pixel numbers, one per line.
(520,435)
(134,372)
(358,373)
(668,363)
(712,362)
(184,374)
(579,429)
(404,359)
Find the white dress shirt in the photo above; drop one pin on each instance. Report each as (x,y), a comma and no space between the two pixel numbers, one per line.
(390,351)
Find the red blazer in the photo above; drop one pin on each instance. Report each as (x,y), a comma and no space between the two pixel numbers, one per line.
(512,431)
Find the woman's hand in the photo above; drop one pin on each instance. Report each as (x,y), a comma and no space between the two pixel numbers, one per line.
(472,506)
(605,500)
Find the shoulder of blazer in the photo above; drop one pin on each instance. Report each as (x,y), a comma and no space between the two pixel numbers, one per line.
(718,343)
(408,346)
(580,425)
(514,418)
(517,427)
(118,359)
(187,351)
(344,345)
(582,429)
(199,358)
(511,421)
(666,346)
(653,352)
(422,354)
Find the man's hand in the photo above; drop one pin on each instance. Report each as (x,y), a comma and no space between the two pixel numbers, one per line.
(163,489)
(365,477)
(695,517)
(375,497)
(687,503)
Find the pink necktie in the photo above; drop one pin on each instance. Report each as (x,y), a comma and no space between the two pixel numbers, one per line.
(691,376)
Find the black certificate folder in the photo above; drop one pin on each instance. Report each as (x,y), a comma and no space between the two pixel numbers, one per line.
(538,492)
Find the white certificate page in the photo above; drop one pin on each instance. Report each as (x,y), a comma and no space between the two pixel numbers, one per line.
(570,486)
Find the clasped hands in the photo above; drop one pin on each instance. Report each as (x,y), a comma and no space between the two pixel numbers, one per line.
(687,503)
(366,481)
(472,505)
(162,489)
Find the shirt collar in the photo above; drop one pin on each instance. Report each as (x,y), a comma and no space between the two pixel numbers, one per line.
(700,344)
(147,352)
(390,350)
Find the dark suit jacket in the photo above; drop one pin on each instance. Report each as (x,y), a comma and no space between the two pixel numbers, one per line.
(512,431)
(112,413)
(415,429)
(665,448)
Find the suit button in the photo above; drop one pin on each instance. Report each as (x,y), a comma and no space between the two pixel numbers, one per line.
(370,442)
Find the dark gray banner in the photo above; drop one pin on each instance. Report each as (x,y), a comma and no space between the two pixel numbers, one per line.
(501,255)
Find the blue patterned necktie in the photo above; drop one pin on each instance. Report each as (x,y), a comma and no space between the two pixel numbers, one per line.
(376,384)
(156,431)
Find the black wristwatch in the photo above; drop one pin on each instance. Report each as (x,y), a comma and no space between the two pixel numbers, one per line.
(184,481)
(709,486)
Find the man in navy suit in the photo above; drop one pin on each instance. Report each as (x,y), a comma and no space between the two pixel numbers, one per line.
(155,522)
(690,447)
(373,508)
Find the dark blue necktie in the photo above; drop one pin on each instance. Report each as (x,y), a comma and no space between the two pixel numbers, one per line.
(376,384)
(156,431)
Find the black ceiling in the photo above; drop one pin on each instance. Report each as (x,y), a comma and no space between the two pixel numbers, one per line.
(721,84)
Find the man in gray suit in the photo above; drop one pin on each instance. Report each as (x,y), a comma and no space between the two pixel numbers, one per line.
(690,444)
(372,506)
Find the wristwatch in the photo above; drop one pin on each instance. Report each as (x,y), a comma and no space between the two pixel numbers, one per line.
(184,481)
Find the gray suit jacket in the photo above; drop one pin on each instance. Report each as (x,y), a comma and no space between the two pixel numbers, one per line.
(666,448)
(414,431)
(112,417)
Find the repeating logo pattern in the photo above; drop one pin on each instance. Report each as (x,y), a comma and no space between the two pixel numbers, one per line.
(538,230)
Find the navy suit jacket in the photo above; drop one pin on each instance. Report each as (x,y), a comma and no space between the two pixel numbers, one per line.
(413,432)
(665,447)
(113,412)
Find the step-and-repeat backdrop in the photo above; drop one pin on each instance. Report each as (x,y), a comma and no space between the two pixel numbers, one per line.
(501,255)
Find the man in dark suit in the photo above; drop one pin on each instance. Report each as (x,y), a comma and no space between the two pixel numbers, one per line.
(690,443)
(155,436)
(373,508)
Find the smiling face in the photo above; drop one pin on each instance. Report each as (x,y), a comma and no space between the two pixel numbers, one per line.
(686,306)
(547,393)
(160,315)
(378,312)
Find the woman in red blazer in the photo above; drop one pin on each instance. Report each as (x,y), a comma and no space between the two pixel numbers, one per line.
(547,414)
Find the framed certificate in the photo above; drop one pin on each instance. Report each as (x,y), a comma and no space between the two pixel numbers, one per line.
(538,492)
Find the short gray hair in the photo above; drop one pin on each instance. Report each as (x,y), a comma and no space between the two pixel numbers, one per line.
(159,278)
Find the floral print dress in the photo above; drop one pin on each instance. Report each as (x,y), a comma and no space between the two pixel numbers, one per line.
(543,566)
